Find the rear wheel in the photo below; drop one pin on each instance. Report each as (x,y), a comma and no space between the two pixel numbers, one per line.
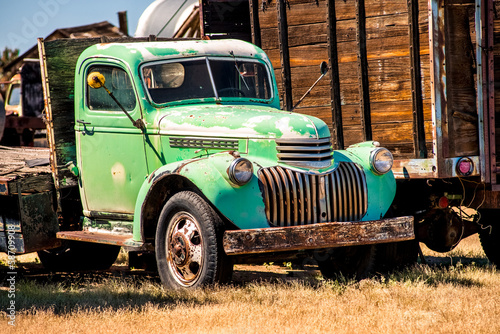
(490,235)
(74,255)
(189,252)
(351,261)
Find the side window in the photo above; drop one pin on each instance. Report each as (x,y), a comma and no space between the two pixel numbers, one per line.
(118,83)
(15,95)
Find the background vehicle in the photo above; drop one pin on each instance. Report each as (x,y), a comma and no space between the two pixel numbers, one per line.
(24,107)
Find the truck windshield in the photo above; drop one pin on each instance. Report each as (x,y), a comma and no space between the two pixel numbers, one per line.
(205,78)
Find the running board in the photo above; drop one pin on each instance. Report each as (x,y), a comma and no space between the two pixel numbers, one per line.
(124,240)
(317,236)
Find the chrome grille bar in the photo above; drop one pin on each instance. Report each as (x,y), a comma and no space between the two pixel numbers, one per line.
(305,152)
(294,198)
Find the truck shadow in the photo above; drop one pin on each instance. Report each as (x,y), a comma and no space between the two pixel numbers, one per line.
(119,287)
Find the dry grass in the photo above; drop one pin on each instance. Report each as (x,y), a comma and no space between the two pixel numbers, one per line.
(458,292)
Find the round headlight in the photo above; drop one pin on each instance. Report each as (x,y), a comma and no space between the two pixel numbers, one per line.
(381,160)
(240,171)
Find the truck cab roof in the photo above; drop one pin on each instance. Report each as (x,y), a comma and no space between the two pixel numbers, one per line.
(136,53)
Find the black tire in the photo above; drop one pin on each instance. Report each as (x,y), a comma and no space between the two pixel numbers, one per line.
(396,255)
(489,234)
(188,244)
(490,240)
(352,262)
(74,256)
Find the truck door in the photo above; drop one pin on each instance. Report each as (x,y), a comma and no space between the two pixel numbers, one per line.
(110,149)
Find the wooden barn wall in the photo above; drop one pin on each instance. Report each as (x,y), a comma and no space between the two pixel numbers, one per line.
(388,65)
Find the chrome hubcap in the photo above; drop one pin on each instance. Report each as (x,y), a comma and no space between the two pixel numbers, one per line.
(184,249)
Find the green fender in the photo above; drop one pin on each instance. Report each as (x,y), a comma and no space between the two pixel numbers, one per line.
(242,205)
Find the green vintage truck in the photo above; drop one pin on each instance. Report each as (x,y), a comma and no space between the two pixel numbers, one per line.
(180,149)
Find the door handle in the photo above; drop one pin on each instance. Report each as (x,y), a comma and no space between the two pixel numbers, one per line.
(85,130)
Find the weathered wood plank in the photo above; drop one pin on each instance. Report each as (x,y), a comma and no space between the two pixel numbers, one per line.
(13,161)
(96,237)
(381,91)
(312,33)
(322,112)
(27,183)
(309,11)
(325,235)
(380,70)
(386,133)
(460,86)
(385,112)
(310,55)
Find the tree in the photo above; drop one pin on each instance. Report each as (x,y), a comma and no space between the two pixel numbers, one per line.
(7,56)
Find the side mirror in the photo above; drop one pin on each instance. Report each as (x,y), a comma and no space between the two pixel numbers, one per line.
(96,80)
(323,67)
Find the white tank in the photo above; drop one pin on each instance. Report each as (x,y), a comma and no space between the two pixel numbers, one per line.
(164,17)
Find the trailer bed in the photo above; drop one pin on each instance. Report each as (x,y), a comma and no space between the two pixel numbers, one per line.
(24,170)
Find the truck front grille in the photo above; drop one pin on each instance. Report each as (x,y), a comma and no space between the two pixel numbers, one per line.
(308,153)
(295,198)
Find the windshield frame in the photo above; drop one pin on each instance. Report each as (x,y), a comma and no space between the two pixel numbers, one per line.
(216,97)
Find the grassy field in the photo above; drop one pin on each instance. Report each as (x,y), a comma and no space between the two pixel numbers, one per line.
(457,292)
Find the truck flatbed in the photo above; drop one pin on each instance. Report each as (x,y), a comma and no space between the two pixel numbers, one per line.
(24,169)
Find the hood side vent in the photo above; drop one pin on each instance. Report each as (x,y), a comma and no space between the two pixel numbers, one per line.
(203,143)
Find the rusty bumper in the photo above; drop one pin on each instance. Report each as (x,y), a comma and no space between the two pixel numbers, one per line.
(324,235)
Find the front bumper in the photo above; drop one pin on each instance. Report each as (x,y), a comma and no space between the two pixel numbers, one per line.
(317,236)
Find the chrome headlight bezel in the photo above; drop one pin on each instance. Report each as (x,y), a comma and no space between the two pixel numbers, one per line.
(240,171)
(381,160)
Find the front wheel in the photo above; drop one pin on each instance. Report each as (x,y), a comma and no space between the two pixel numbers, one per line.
(189,252)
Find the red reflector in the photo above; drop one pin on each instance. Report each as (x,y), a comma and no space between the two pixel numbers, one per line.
(465,167)
(443,202)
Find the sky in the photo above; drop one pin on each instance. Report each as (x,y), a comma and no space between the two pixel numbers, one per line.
(23,21)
